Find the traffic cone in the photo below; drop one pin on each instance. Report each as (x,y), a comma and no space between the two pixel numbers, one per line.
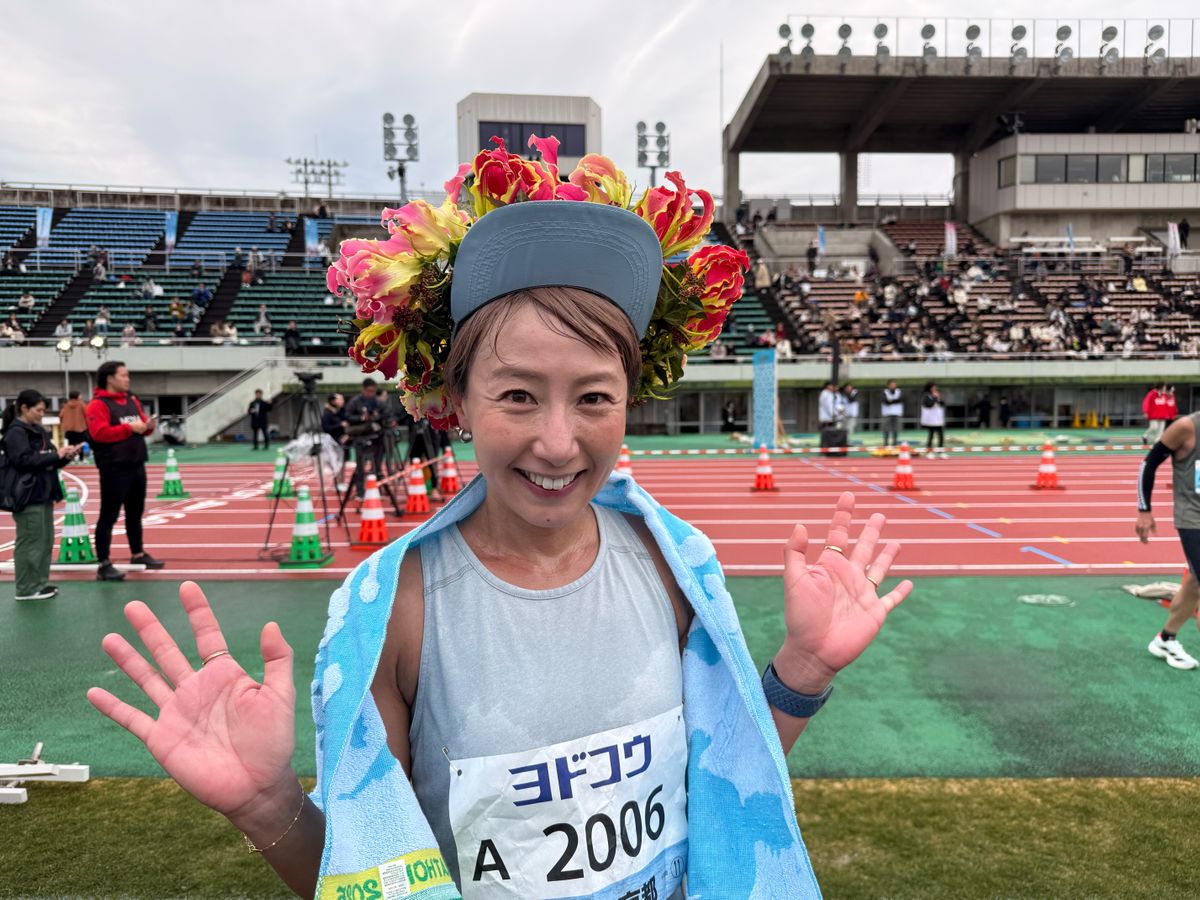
(448,475)
(281,485)
(624,463)
(1047,476)
(307,552)
(1106,425)
(372,528)
(764,475)
(1078,423)
(76,546)
(62,486)
(172,488)
(903,479)
(417,500)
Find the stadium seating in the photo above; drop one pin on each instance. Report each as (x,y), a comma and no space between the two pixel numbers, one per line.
(292,294)
(45,287)
(15,222)
(931,236)
(125,303)
(325,229)
(212,237)
(127,234)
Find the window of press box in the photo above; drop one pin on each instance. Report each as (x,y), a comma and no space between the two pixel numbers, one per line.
(1081,168)
(1154,167)
(1179,167)
(1026,169)
(1112,168)
(1008,172)
(572,138)
(1050,169)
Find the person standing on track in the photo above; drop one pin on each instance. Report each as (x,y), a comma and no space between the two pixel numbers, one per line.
(1178,443)
(118,428)
(1156,408)
(891,410)
(259,410)
(72,418)
(933,420)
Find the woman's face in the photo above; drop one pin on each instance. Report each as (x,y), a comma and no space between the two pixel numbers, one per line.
(544,405)
(33,414)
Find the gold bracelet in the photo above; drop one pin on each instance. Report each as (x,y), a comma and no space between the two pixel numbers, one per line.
(249,844)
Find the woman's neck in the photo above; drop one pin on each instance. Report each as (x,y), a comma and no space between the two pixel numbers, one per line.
(498,533)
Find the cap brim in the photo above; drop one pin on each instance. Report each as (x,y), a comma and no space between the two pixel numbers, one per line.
(603,249)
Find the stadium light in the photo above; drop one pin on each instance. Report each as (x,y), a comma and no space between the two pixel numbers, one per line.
(1062,53)
(1150,58)
(974,51)
(1108,53)
(659,157)
(785,52)
(399,157)
(1016,53)
(97,343)
(65,348)
(882,53)
(316,171)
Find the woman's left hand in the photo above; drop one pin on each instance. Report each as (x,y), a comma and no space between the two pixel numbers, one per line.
(832,608)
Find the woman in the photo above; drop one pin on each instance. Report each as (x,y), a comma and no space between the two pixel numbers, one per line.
(34,463)
(933,420)
(551,705)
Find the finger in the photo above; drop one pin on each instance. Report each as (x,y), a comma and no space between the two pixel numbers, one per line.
(896,595)
(209,639)
(277,661)
(878,569)
(158,641)
(132,720)
(140,672)
(868,538)
(839,526)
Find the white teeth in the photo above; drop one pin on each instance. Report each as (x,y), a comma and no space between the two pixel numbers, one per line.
(549,484)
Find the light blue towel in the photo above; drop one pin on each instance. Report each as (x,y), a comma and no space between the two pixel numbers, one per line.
(743,840)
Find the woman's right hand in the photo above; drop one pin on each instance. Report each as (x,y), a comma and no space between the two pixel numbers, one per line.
(226,739)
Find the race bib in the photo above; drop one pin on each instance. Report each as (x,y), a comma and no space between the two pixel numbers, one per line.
(602,815)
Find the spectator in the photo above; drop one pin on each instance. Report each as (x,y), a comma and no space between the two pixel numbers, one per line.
(100,323)
(222,332)
(99,272)
(201,296)
(1172,405)
(129,336)
(239,258)
(292,339)
(177,309)
(718,350)
(197,268)
(830,409)
(1005,412)
(73,419)
(87,332)
(149,319)
(33,462)
(118,427)
(891,410)
(271,226)
(810,255)
(933,419)
(9,265)
(63,329)
(983,411)
(26,301)
(262,324)
(325,254)
(1156,409)
(729,417)
(150,290)
(1185,228)
(259,412)
(851,409)
(762,277)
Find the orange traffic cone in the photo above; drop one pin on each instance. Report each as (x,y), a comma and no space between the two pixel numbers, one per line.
(624,463)
(764,476)
(448,475)
(903,479)
(372,529)
(1047,476)
(418,498)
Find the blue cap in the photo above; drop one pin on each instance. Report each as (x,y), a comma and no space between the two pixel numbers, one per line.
(603,249)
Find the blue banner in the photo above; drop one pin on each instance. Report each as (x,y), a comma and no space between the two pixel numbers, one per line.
(311,238)
(1070,236)
(45,215)
(821,239)
(763,398)
(172,225)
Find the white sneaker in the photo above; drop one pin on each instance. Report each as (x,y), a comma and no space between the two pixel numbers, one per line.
(942,454)
(1172,651)
(48,594)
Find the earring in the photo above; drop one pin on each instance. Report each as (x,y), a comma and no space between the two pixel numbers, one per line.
(465,435)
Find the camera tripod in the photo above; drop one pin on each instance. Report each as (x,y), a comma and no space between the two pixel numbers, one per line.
(368,461)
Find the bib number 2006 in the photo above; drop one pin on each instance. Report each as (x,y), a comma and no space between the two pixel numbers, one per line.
(629,825)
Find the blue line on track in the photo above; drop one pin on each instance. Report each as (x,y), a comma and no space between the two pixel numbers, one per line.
(939,512)
(904,499)
(854,479)
(877,488)
(1049,556)
(983,530)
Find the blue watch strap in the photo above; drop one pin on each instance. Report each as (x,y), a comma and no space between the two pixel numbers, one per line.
(793,703)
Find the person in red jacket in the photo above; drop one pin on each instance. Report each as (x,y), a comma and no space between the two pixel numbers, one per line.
(118,428)
(1157,410)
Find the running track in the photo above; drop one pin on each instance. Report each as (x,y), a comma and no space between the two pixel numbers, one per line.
(970,515)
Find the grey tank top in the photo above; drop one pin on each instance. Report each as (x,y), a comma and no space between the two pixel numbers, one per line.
(1186,483)
(505,669)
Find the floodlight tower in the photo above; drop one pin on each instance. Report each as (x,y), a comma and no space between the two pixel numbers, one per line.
(412,149)
(657,158)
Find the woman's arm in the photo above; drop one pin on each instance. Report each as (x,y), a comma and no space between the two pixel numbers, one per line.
(22,454)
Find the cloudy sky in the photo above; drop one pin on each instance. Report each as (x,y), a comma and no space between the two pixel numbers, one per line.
(217,93)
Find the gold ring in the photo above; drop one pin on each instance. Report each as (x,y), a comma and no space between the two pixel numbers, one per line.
(873,581)
(204,662)
(834,549)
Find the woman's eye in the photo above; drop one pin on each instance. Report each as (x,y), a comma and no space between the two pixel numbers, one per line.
(517,396)
(596,399)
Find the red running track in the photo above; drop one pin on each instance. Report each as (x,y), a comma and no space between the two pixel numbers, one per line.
(972,515)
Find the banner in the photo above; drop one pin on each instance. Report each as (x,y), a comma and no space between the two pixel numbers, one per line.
(45,215)
(1174,244)
(172,224)
(950,244)
(821,239)
(763,398)
(1070,237)
(311,238)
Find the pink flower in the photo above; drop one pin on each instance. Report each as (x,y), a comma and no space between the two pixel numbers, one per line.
(431,230)
(602,181)
(434,405)
(376,270)
(454,185)
(722,271)
(672,216)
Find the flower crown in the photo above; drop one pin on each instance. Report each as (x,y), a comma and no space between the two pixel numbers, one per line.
(401,286)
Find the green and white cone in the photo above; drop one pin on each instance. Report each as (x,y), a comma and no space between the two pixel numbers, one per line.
(281,485)
(306,542)
(172,488)
(76,546)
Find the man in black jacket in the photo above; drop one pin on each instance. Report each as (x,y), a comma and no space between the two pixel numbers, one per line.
(259,410)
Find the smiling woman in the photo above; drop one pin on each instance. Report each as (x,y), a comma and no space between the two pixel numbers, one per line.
(543,691)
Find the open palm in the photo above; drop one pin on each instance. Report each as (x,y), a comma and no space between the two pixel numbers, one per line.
(832,608)
(226,739)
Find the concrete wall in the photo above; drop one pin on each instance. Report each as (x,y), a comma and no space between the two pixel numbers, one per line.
(476,108)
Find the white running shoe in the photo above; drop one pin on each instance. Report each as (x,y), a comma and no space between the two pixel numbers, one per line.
(942,454)
(1172,651)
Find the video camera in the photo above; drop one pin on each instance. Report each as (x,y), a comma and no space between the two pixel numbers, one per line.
(309,380)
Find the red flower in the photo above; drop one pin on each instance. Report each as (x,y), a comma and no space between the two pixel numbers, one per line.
(721,270)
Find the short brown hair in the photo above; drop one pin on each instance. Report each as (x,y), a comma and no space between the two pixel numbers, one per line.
(572,312)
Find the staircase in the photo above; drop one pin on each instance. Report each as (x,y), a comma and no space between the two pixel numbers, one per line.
(293,254)
(63,304)
(27,243)
(157,257)
(222,301)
